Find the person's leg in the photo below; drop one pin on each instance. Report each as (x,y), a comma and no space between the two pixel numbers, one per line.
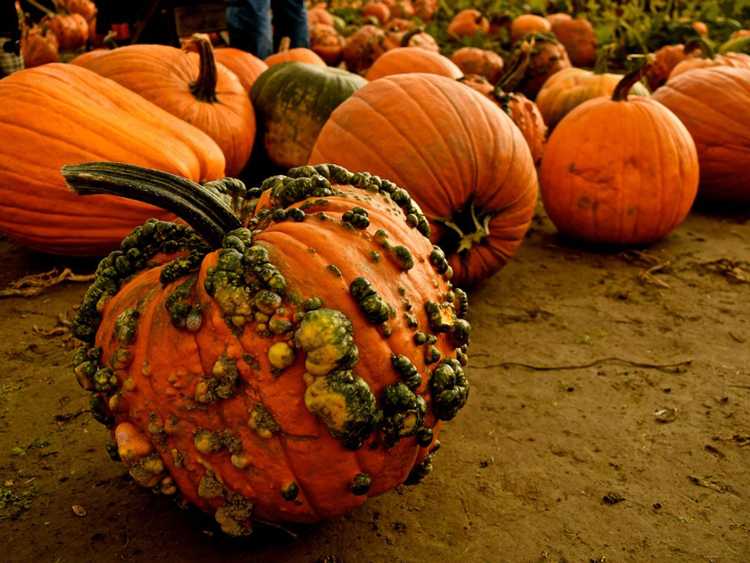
(249,25)
(290,20)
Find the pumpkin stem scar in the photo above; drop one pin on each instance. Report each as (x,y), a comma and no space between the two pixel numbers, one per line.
(201,208)
(204,87)
(468,228)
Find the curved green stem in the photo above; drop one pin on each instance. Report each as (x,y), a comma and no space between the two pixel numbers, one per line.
(196,205)
(480,230)
(204,88)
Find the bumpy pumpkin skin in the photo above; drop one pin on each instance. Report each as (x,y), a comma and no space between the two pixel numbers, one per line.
(479,61)
(327,43)
(454,163)
(314,352)
(78,116)
(546,56)
(528,23)
(413,59)
(245,66)
(165,76)
(39,46)
(363,48)
(631,182)
(579,38)
(570,87)
(293,101)
(712,103)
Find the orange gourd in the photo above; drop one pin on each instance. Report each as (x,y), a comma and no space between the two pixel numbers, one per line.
(468,23)
(245,66)
(316,343)
(59,114)
(479,61)
(298,55)
(462,159)
(412,59)
(713,104)
(39,46)
(528,23)
(630,182)
(71,30)
(190,86)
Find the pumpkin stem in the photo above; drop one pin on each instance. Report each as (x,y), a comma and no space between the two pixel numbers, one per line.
(409,34)
(196,205)
(515,73)
(468,230)
(705,47)
(284,44)
(628,81)
(204,88)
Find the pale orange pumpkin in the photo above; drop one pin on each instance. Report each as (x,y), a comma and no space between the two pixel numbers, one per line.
(528,23)
(298,54)
(479,61)
(579,38)
(413,59)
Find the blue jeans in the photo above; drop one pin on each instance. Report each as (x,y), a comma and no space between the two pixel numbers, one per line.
(249,23)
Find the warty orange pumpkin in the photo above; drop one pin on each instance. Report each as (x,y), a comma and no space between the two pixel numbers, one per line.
(59,114)
(631,182)
(190,86)
(412,59)
(469,168)
(713,104)
(316,342)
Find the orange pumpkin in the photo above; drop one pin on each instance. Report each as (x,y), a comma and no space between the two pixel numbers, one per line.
(298,55)
(309,366)
(64,114)
(86,8)
(468,23)
(528,23)
(569,88)
(327,43)
(416,37)
(700,28)
(412,59)
(457,153)
(245,66)
(82,59)
(39,46)
(318,14)
(363,48)
(192,87)
(630,182)
(735,60)
(71,30)
(665,59)
(377,10)
(479,61)
(558,18)
(403,9)
(425,9)
(521,110)
(535,59)
(579,39)
(713,104)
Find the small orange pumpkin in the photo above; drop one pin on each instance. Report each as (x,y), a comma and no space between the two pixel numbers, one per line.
(419,38)
(377,10)
(319,14)
(629,182)
(84,7)
(479,61)
(400,8)
(327,43)
(298,54)
(528,23)
(364,47)
(39,46)
(713,104)
(413,59)
(468,23)
(535,59)
(425,9)
(71,30)
(247,67)
(665,59)
(579,38)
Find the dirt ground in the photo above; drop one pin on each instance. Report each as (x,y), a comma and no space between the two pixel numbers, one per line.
(608,421)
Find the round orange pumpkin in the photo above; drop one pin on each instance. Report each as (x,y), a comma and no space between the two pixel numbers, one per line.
(327,43)
(315,346)
(735,60)
(479,61)
(713,104)
(528,23)
(402,9)
(619,170)
(319,14)
(245,66)
(86,8)
(71,30)
(462,159)
(39,46)
(378,10)
(579,38)
(298,55)
(425,9)
(416,37)
(363,48)
(63,114)
(569,88)
(468,23)
(412,59)
(192,87)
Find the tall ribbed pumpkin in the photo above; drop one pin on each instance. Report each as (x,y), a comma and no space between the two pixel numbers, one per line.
(713,104)
(619,170)
(457,153)
(284,361)
(60,114)
(189,85)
